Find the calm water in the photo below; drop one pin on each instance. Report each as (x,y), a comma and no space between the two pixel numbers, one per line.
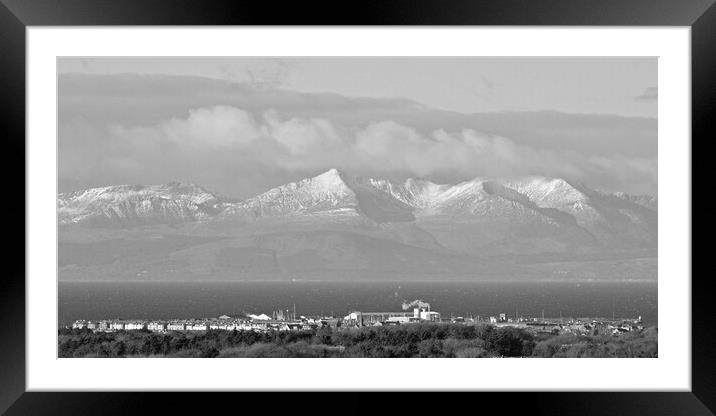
(163,300)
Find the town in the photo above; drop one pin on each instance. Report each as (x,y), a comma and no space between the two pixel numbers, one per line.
(284,320)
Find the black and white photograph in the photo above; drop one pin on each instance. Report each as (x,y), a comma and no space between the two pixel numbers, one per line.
(350,207)
(484,197)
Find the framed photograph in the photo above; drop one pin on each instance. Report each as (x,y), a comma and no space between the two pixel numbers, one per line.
(435,197)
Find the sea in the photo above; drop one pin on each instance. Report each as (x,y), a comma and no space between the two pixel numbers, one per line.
(167,300)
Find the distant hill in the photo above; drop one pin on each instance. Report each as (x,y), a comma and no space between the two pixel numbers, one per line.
(336,226)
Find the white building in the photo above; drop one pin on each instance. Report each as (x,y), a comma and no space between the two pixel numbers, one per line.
(431,316)
(421,314)
(157,326)
(117,326)
(176,326)
(196,327)
(133,326)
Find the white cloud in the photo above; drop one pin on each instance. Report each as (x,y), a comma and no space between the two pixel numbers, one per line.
(301,136)
(224,145)
(216,126)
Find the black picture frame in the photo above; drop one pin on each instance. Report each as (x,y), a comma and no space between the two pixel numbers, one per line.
(16,15)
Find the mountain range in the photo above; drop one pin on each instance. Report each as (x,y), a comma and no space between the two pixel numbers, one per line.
(336,225)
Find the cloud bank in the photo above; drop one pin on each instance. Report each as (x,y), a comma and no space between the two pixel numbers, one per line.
(240,153)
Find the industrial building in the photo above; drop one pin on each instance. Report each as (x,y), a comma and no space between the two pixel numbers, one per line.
(421,313)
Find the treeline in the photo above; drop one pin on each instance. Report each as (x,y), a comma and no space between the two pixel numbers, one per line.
(415,340)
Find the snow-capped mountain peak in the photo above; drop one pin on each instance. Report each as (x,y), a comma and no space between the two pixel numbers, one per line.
(331,182)
(547,192)
(324,193)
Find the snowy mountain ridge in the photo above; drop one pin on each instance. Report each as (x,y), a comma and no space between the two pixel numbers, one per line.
(138,204)
(334,193)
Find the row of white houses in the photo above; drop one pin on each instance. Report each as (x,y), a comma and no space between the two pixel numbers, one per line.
(193,325)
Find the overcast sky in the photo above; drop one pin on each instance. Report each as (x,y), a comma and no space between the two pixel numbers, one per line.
(241,125)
